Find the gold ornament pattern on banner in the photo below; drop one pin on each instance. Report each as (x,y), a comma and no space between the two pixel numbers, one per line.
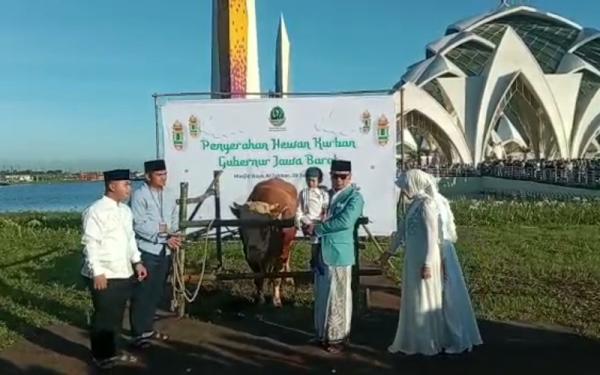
(178,135)
(365,119)
(194,126)
(383,130)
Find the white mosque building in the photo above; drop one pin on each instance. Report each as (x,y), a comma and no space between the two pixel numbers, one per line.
(515,80)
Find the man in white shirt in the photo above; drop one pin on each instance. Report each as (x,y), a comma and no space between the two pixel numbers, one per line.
(110,258)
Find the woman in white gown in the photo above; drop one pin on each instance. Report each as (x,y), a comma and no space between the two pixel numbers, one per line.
(421,322)
(462,332)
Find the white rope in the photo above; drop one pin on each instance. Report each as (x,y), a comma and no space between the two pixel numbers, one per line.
(392,265)
(379,247)
(179,287)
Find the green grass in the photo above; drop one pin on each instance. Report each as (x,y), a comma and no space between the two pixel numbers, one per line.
(39,274)
(531,213)
(530,263)
(547,274)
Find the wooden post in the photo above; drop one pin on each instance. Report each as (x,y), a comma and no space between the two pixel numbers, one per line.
(180,255)
(356,273)
(299,275)
(400,203)
(402,129)
(216,177)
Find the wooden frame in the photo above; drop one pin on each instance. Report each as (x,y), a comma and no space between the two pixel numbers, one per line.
(186,222)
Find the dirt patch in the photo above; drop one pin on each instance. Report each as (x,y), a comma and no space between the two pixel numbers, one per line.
(240,337)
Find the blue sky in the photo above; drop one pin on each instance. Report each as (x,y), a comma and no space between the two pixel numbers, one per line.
(76,77)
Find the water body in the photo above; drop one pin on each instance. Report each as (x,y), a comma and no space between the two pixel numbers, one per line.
(61,197)
(76,197)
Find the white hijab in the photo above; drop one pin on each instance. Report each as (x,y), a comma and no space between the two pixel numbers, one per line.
(416,184)
(448,225)
(421,189)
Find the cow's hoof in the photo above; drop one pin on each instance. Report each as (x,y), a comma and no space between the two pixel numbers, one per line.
(277,303)
(259,299)
(290,281)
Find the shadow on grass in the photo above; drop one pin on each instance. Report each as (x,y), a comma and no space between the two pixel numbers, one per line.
(29,259)
(48,306)
(508,348)
(228,334)
(43,337)
(62,271)
(235,309)
(8,368)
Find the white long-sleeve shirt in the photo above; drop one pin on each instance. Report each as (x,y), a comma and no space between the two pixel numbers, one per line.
(109,240)
(312,206)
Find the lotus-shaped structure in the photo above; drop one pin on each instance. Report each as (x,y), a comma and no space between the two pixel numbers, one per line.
(516,79)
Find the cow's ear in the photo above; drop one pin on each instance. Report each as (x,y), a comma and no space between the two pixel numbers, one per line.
(279,215)
(235,209)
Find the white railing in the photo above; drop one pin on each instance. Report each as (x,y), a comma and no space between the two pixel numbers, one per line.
(576,177)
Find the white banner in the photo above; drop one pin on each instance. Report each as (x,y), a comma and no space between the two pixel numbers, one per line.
(255,139)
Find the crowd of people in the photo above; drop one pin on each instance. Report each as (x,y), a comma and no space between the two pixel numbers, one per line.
(128,250)
(575,173)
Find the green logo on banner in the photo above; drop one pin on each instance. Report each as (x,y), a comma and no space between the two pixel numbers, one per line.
(277,116)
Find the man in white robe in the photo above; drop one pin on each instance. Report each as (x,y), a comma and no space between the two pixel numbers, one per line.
(111,258)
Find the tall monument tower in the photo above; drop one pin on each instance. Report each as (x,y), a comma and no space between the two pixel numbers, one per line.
(282,60)
(234,49)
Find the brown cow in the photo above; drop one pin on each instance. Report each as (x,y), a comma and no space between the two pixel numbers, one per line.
(267,249)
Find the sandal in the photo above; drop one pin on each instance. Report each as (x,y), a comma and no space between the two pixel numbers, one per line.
(108,363)
(126,358)
(141,344)
(105,364)
(144,342)
(160,336)
(334,349)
